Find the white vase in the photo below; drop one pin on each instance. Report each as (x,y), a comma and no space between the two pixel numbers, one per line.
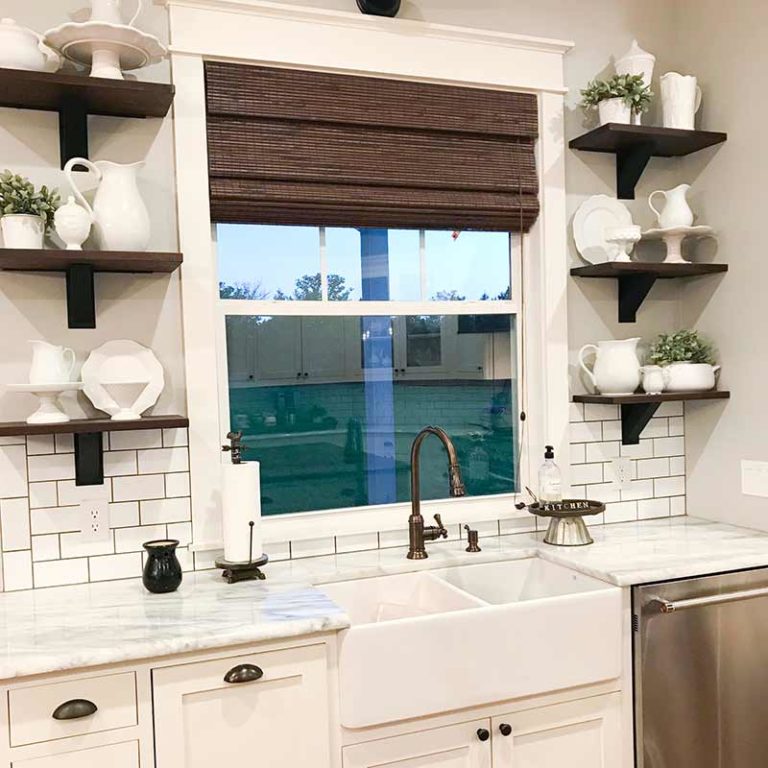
(22,230)
(636,61)
(691,377)
(617,368)
(676,211)
(614,111)
(680,100)
(121,219)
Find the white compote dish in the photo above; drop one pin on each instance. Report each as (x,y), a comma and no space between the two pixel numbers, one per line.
(49,411)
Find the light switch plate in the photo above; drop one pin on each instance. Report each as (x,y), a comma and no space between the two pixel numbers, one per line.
(754,478)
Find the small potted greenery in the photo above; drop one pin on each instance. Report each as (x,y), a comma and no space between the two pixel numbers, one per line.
(617,99)
(688,361)
(26,213)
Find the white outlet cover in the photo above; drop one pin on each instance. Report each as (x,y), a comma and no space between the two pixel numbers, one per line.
(623,469)
(754,478)
(94,515)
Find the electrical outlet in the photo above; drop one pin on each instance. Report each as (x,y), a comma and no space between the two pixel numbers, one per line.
(754,478)
(623,471)
(94,514)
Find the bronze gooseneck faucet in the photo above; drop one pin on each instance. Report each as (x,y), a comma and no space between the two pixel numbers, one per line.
(419,533)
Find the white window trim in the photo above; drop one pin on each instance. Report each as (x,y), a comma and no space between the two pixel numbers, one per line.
(292,36)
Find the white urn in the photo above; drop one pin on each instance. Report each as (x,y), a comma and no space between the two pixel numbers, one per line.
(73,224)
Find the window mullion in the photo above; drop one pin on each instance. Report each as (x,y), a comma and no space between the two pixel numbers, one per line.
(323,264)
(423,264)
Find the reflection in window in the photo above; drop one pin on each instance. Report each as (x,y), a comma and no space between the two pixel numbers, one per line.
(330,405)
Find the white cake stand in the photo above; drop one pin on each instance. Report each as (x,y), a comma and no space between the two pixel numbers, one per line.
(49,411)
(109,49)
(673,237)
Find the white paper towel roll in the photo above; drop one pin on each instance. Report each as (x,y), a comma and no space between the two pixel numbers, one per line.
(241,504)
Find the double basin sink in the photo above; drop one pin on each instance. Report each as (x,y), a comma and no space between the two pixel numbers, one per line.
(435,641)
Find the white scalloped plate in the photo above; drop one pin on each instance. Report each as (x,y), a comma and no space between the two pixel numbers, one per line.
(122,361)
(592,219)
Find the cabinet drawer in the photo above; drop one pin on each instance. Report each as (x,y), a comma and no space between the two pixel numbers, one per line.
(31,709)
(124,755)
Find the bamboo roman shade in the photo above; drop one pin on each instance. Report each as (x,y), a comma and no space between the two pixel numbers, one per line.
(295,147)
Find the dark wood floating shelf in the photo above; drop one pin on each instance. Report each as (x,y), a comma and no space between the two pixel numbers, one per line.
(637,278)
(80,267)
(75,97)
(635,145)
(637,410)
(89,444)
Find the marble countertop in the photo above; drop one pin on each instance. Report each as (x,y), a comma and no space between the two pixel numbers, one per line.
(50,630)
(64,628)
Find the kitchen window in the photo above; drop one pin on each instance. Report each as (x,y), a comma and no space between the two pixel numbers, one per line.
(340,344)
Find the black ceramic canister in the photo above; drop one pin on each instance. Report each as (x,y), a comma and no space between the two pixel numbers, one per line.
(379,7)
(162,572)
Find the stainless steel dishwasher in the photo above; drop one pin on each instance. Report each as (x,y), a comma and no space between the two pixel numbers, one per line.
(701,672)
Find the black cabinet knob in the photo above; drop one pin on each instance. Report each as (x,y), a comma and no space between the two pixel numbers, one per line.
(505,729)
(244,673)
(483,734)
(74,710)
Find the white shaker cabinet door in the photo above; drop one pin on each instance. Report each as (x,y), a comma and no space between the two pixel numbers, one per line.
(276,716)
(456,746)
(578,734)
(125,755)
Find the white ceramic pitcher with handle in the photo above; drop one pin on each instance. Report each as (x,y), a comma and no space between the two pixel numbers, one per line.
(680,100)
(121,219)
(676,211)
(51,364)
(110,12)
(617,367)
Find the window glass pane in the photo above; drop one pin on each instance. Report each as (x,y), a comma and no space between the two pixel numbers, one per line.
(330,405)
(345,280)
(472,265)
(268,262)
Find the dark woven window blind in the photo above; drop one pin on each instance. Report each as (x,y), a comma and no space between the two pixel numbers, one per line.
(296,147)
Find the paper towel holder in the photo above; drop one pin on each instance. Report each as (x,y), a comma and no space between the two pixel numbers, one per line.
(247,571)
(235,447)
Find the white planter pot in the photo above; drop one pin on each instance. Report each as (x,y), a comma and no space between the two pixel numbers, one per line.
(21,230)
(614,111)
(695,377)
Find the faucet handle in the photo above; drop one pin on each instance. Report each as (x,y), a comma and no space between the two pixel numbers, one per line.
(442,531)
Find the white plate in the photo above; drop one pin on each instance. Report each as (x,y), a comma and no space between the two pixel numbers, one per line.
(122,362)
(594,216)
(660,234)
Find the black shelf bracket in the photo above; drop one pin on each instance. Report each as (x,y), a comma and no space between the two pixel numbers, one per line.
(634,419)
(81,297)
(73,131)
(630,164)
(89,458)
(632,292)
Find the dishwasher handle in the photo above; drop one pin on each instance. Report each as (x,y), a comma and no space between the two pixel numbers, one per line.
(661,605)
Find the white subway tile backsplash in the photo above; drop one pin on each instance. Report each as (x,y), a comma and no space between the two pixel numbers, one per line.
(43,494)
(593,412)
(125,566)
(74,545)
(124,514)
(165,511)
(397,538)
(650,508)
(138,488)
(677,506)
(357,542)
(313,547)
(643,450)
(514,525)
(275,550)
(605,492)
(586,432)
(583,474)
(60,572)
(182,532)
(671,408)
(65,443)
(17,570)
(677,465)
(13,440)
(14,519)
(576,412)
(620,512)
(59,466)
(46,547)
(13,471)
(55,520)
(40,444)
(132,440)
(119,463)
(578,453)
(611,430)
(71,495)
(599,452)
(177,484)
(669,446)
(647,468)
(670,486)
(676,426)
(174,438)
(637,489)
(656,428)
(131,539)
(163,460)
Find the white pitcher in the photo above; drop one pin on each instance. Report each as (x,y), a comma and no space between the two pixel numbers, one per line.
(617,368)
(120,217)
(109,12)
(680,100)
(676,212)
(51,364)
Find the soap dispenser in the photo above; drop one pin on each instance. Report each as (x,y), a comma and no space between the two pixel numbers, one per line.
(550,479)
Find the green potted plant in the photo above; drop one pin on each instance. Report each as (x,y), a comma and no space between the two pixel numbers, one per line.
(688,360)
(26,213)
(617,99)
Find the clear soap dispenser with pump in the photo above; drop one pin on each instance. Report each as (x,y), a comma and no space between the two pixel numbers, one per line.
(550,479)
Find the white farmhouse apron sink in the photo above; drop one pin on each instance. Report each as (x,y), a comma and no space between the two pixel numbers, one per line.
(436,641)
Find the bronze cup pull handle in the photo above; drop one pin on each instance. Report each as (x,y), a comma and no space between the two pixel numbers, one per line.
(74,710)
(244,673)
